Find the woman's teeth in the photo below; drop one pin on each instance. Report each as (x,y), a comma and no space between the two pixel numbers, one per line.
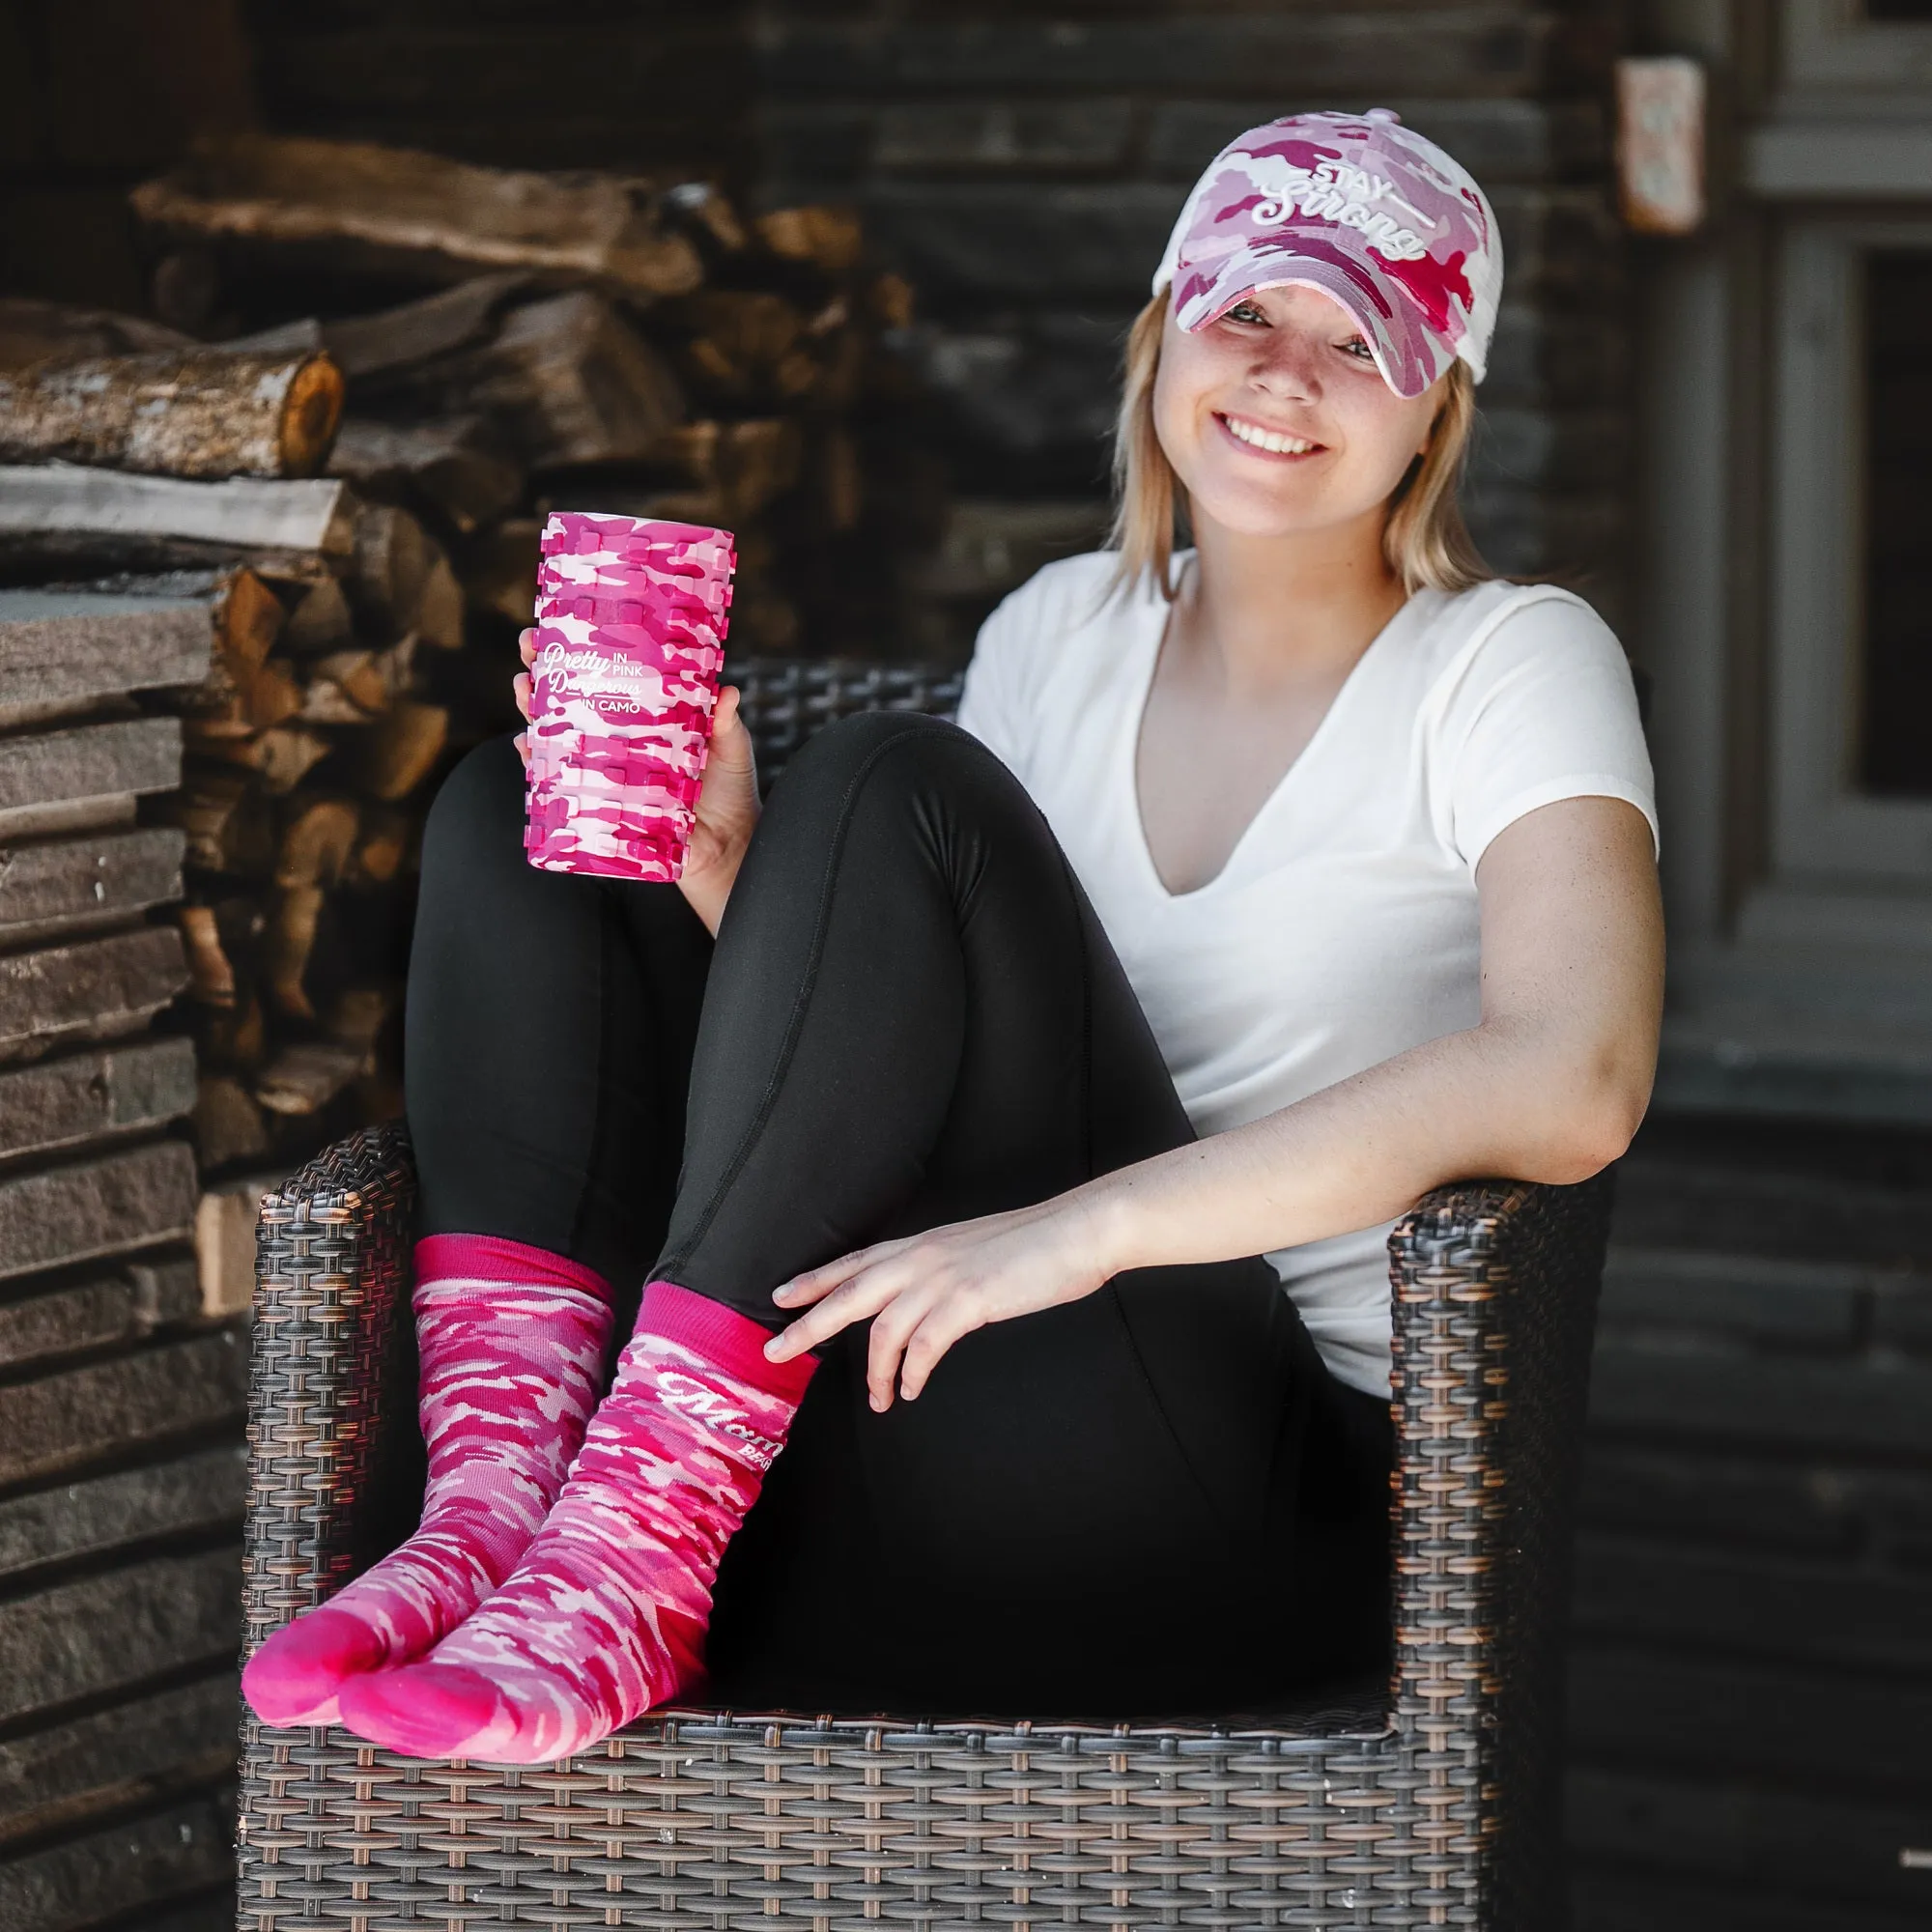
(1268,438)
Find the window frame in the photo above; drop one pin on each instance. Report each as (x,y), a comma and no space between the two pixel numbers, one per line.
(1822,825)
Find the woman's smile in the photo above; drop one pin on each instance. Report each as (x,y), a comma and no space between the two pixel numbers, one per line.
(1262,441)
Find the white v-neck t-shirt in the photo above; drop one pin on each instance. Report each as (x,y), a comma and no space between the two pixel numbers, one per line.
(1343,929)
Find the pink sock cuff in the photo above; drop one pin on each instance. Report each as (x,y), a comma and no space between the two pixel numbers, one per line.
(734,1342)
(491,1258)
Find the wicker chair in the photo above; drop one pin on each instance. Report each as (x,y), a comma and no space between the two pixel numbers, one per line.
(1430,1802)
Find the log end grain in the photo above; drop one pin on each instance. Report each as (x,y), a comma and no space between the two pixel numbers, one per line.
(311,414)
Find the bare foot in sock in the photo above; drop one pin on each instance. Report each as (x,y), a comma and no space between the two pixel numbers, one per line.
(512,1343)
(604,1617)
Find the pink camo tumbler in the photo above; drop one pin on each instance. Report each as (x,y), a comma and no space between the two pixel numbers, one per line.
(631,622)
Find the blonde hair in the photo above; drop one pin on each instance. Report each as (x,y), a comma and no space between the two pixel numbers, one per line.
(1426,542)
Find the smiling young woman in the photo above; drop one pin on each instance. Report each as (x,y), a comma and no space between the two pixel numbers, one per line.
(1423,538)
(1058,1074)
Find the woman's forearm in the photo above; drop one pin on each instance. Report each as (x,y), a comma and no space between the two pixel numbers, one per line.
(1550,1086)
(1501,1098)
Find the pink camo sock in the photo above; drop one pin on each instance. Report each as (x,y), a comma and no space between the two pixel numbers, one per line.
(606,1615)
(512,1342)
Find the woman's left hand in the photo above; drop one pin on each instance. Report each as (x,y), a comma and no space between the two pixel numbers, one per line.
(926,1290)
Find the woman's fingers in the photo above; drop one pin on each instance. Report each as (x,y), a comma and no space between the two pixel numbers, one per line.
(526,648)
(521,686)
(892,1327)
(866,1293)
(816,1283)
(954,1316)
(522,741)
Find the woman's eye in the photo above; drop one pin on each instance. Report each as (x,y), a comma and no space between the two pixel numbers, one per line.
(1245,311)
(1357,348)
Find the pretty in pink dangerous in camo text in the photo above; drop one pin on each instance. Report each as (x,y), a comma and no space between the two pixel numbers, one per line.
(631,619)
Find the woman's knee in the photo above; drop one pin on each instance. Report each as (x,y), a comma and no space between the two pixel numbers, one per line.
(895,750)
(478,816)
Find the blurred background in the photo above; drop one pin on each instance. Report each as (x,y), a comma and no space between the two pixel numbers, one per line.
(853,279)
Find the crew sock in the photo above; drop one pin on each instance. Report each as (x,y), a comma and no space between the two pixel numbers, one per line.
(606,1615)
(512,1342)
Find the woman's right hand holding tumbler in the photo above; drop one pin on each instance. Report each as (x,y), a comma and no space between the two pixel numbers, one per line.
(728,803)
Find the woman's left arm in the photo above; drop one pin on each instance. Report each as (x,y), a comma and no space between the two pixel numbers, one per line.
(1550,1085)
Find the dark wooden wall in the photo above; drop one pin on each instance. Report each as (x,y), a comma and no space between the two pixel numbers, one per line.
(94,95)
(1025,164)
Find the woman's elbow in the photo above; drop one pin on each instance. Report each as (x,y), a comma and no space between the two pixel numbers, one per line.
(1600,1107)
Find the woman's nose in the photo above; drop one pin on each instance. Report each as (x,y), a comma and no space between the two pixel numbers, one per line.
(1286,366)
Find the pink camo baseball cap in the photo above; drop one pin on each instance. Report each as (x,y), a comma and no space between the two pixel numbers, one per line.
(1366,210)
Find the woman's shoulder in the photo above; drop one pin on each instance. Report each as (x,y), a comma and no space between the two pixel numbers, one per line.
(1066,613)
(1479,635)
(1070,593)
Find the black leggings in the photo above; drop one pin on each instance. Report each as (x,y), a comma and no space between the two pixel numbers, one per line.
(1153,1500)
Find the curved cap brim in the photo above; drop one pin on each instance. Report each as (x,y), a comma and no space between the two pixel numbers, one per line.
(1409,354)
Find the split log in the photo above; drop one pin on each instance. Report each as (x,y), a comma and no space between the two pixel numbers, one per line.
(228,1126)
(397,751)
(889,301)
(306,1077)
(224,1239)
(318,838)
(566,380)
(392,561)
(288,942)
(73,1099)
(701,210)
(105,1205)
(228,827)
(86,775)
(34,332)
(271,696)
(352,206)
(746,463)
(321,620)
(829,239)
(283,757)
(396,667)
(439,612)
(247,618)
(344,688)
(448,464)
(78,520)
(837,482)
(500,570)
(204,414)
(211,971)
(738,338)
(67,651)
(358,1017)
(72,885)
(382,848)
(94,989)
(237,1039)
(367,348)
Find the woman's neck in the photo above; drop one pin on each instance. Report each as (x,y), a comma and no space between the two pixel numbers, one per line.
(1266,611)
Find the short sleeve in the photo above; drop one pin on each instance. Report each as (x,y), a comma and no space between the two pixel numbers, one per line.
(1539,707)
(994,704)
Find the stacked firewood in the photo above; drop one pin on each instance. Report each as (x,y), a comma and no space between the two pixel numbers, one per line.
(415,362)
(304,750)
(579,342)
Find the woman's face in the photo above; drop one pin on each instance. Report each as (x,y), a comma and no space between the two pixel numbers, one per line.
(1277,420)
